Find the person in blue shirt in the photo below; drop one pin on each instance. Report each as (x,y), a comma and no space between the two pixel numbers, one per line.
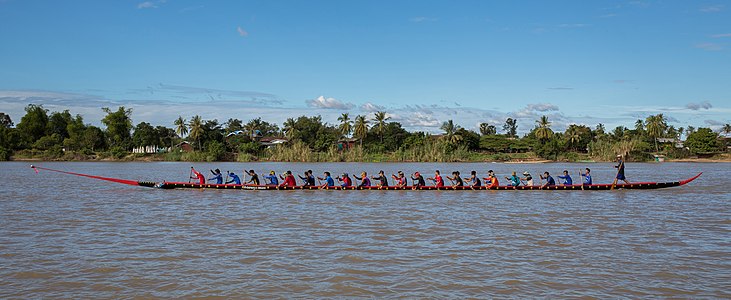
(234,178)
(473,181)
(566,178)
(587,177)
(514,179)
(273,180)
(329,181)
(217,176)
(549,180)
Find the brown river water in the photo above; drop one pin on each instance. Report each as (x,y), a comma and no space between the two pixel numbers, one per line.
(65,236)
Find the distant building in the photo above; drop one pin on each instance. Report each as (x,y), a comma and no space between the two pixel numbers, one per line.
(677,143)
(184,146)
(347,143)
(272,141)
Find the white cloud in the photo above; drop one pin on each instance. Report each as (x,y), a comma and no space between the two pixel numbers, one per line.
(150,4)
(328,103)
(370,107)
(712,8)
(422,19)
(242,32)
(721,35)
(697,106)
(709,46)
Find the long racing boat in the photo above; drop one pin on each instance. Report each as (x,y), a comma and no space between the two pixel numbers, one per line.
(188,185)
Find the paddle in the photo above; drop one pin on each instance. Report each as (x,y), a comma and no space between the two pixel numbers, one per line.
(226,180)
(190,176)
(581,180)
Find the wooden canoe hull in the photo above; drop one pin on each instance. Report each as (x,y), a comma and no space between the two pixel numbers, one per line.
(593,187)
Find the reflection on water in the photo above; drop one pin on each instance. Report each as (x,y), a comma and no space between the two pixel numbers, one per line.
(71,237)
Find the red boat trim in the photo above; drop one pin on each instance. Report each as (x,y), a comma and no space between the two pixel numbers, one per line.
(117,180)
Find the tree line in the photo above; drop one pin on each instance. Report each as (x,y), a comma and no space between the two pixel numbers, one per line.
(61,135)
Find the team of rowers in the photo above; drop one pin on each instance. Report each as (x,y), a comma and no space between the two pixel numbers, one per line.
(400,179)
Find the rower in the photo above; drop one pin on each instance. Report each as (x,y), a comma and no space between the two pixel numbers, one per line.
(587,177)
(345,179)
(272,177)
(528,178)
(549,180)
(438,181)
(289,180)
(418,180)
(473,181)
(364,181)
(217,176)
(455,179)
(328,179)
(400,179)
(382,179)
(493,182)
(234,178)
(198,175)
(254,178)
(514,180)
(308,179)
(566,178)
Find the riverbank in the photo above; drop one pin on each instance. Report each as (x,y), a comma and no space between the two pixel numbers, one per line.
(509,158)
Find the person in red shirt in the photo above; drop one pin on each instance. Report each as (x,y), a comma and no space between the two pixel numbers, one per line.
(491,180)
(289,180)
(438,181)
(345,179)
(198,176)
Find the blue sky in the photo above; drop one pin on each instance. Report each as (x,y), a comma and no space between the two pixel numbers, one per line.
(423,62)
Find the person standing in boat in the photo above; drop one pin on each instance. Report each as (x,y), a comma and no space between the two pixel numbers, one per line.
(400,179)
(473,181)
(549,180)
(491,181)
(418,180)
(620,171)
(289,180)
(566,178)
(328,180)
(587,177)
(234,178)
(438,181)
(254,178)
(528,178)
(364,180)
(201,178)
(514,179)
(345,179)
(272,177)
(382,179)
(217,176)
(455,179)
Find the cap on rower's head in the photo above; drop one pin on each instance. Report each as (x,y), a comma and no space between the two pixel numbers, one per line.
(400,172)
(490,171)
(526,173)
(271,172)
(345,174)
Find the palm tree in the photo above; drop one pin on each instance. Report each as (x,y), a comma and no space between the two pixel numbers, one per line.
(253,126)
(380,117)
(573,135)
(726,129)
(361,128)
(450,132)
(196,130)
(543,132)
(289,128)
(180,127)
(656,127)
(346,125)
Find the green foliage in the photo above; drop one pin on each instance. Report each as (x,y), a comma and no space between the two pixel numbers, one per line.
(550,149)
(250,147)
(5,120)
(32,125)
(215,151)
(4,154)
(145,135)
(704,140)
(511,127)
(47,142)
(119,125)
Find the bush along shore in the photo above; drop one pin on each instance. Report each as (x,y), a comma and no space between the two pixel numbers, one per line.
(44,135)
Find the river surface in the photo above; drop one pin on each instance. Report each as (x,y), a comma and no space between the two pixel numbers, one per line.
(65,236)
